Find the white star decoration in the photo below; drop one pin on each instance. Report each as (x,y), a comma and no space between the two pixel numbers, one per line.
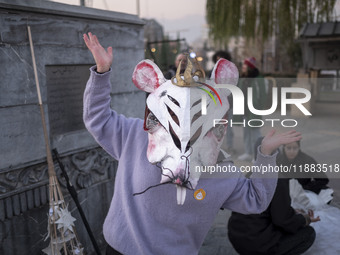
(65,220)
(48,249)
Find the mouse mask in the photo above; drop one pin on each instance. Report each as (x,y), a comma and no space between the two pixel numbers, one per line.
(179,136)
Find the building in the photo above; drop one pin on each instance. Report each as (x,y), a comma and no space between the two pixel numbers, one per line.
(320,44)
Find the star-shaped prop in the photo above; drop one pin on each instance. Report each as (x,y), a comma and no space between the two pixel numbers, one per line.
(65,220)
(48,249)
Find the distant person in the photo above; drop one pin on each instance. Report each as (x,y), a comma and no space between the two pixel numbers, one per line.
(251,78)
(221,54)
(310,192)
(173,68)
(293,157)
(278,230)
(218,55)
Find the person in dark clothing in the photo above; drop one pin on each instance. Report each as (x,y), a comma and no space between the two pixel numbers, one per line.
(218,55)
(221,54)
(278,230)
(251,78)
(173,68)
(292,155)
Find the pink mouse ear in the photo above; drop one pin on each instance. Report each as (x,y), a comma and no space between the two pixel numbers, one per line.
(147,76)
(225,72)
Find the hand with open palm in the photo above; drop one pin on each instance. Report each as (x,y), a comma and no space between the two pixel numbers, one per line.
(273,141)
(102,57)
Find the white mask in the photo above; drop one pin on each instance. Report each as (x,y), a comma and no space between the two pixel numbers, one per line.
(179,135)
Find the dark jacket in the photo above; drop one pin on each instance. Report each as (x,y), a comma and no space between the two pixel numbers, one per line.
(313,181)
(259,96)
(259,233)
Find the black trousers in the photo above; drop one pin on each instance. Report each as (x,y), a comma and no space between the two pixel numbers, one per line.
(294,244)
(111,251)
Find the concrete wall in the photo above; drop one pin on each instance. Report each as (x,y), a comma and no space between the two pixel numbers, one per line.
(62,60)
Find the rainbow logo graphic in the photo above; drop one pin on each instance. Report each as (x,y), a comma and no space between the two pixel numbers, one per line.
(209,93)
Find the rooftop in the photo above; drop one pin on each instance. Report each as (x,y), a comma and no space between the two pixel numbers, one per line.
(318,30)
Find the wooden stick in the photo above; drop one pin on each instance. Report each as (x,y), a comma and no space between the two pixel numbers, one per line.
(51,171)
(54,188)
(34,64)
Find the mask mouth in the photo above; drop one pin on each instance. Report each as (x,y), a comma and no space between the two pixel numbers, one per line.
(183,183)
(178,180)
(181,179)
(180,176)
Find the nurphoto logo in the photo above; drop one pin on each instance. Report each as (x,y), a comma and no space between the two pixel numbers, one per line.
(238,105)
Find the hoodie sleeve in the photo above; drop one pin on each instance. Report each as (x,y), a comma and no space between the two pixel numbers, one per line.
(108,128)
(253,196)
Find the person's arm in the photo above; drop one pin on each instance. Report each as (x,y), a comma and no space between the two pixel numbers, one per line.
(304,181)
(253,195)
(108,128)
(318,180)
(283,215)
(316,185)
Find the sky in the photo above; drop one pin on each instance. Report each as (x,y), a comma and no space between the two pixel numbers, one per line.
(173,15)
(188,20)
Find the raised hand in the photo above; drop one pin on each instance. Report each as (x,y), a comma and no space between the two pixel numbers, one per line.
(102,57)
(273,141)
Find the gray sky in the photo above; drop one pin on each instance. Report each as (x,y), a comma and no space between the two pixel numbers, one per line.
(185,16)
(188,19)
(159,9)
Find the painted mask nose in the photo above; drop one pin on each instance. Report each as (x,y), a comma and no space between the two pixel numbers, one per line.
(178,181)
(180,178)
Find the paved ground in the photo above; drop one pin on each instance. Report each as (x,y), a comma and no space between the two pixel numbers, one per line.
(321,140)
